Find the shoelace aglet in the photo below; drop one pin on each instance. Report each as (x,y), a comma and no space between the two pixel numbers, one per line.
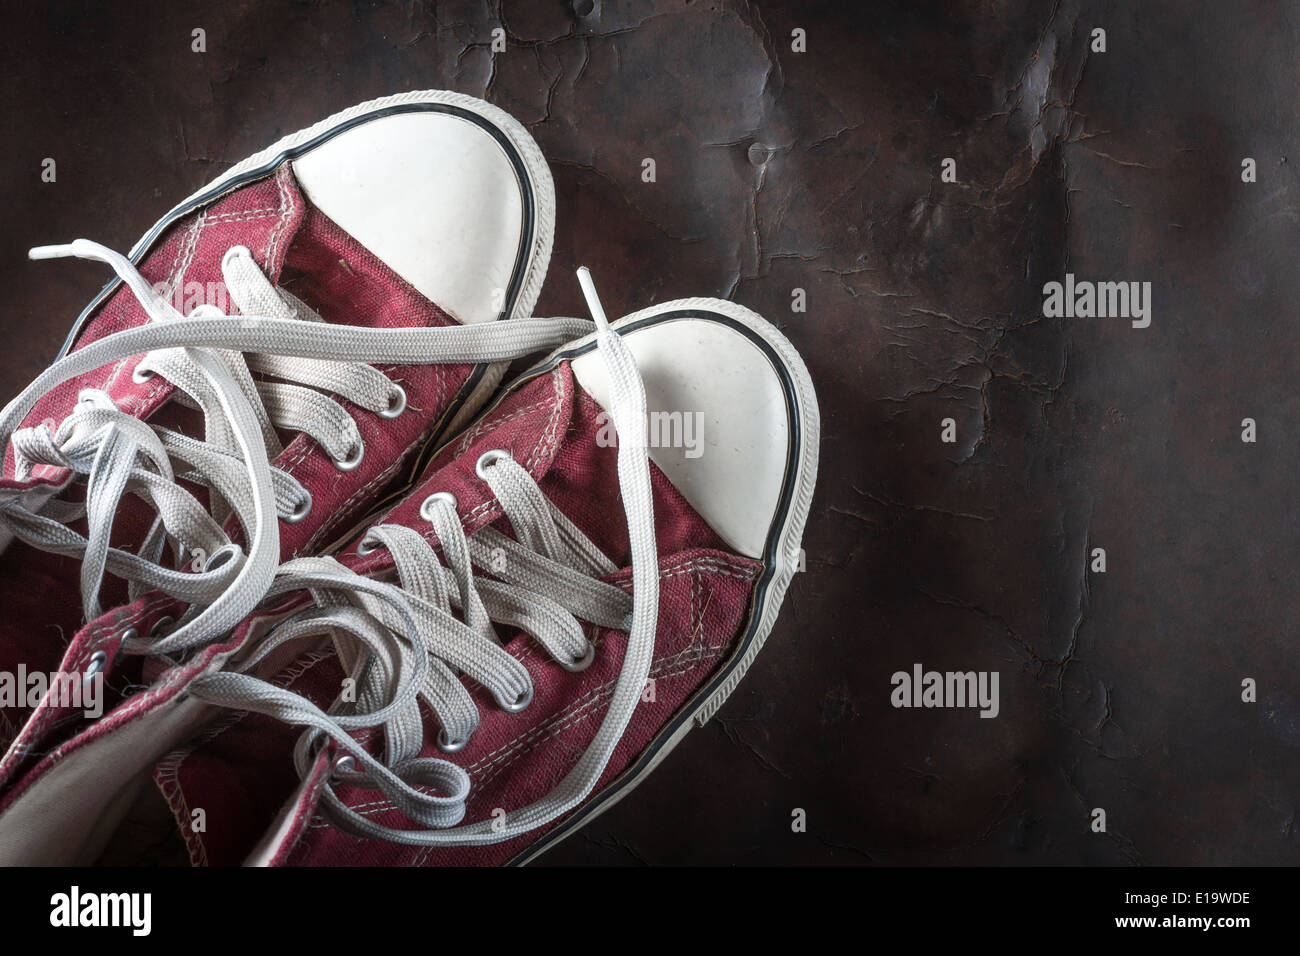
(51,252)
(593,301)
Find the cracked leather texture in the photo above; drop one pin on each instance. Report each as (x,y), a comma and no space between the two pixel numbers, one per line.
(820,171)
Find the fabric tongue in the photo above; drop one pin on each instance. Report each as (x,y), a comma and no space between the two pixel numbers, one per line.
(531,427)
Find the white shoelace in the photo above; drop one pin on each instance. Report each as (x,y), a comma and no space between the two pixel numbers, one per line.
(401,643)
(210,357)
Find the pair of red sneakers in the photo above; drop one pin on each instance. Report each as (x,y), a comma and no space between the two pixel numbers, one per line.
(278,547)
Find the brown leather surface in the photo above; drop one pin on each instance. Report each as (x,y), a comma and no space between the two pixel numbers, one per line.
(778,170)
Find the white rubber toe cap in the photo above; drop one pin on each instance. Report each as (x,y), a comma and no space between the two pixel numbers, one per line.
(722,409)
(435,196)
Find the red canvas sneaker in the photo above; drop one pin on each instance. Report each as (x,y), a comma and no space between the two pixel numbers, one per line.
(579,579)
(277,352)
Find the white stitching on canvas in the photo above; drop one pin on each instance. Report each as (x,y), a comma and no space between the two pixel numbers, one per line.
(288,205)
(242,215)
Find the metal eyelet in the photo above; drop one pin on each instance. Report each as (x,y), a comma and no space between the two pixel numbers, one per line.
(162,625)
(355,454)
(301,510)
(583,662)
(396,404)
(232,252)
(488,458)
(99,659)
(367,546)
(426,506)
(222,556)
(141,375)
(524,700)
(344,764)
(449,746)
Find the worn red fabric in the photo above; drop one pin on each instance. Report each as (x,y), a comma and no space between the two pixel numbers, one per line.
(241,773)
(304,251)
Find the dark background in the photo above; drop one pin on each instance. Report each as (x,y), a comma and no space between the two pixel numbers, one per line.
(1119,690)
